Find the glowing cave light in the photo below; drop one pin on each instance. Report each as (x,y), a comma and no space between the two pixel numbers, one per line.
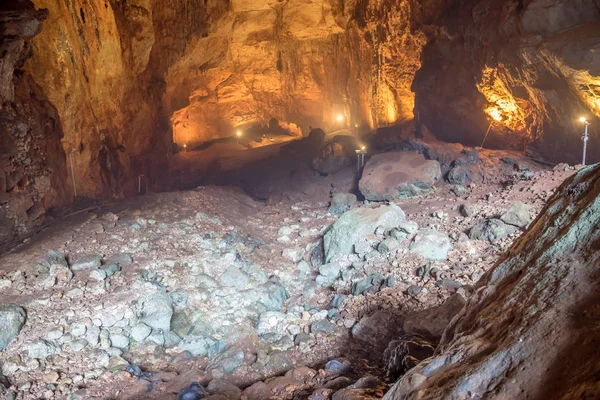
(340,118)
(495,114)
(582,120)
(363,148)
(239,133)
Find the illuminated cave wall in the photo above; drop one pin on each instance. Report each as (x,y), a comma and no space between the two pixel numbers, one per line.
(302,62)
(531,68)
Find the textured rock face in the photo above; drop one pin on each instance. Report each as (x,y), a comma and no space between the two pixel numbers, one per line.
(113,83)
(32,163)
(530,68)
(531,317)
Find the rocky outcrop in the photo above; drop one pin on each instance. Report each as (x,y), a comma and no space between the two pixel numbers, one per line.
(531,317)
(396,175)
(527,69)
(33,175)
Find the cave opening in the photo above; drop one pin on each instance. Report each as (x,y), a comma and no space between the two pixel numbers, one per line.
(299,200)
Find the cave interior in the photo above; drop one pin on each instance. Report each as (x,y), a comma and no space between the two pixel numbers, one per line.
(299,199)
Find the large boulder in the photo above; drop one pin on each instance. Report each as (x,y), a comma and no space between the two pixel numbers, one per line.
(333,158)
(396,175)
(491,230)
(431,244)
(155,310)
(530,328)
(12,319)
(518,215)
(356,224)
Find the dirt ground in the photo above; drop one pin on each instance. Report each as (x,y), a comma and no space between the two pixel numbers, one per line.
(174,237)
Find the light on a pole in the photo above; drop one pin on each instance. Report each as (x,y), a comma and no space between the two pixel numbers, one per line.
(585,137)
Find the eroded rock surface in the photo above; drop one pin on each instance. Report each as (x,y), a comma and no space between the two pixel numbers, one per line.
(530,313)
(395,175)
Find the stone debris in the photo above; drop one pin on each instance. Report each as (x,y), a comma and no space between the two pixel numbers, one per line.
(171,288)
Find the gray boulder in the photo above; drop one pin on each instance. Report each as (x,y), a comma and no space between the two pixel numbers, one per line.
(12,318)
(396,175)
(458,175)
(41,349)
(92,261)
(491,230)
(155,310)
(518,215)
(234,277)
(341,202)
(328,273)
(356,224)
(431,244)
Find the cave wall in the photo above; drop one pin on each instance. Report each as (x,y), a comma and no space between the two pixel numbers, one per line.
(101,64)
(120,80)
(532,64)
(33,174)
(302,62)
(129,77)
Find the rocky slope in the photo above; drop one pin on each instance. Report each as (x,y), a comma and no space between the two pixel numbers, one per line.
(531,317)
(241,292)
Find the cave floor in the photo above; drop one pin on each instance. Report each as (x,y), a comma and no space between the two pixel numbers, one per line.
(186,243)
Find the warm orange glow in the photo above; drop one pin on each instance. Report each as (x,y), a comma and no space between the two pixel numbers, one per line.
(238,133)
(363,148)
(340,118)
(583,120)
(494,113)
(502,107)
(391,112)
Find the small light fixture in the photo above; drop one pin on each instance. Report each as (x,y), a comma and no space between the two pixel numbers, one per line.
(585,137)
(340,118)
(363,148)
(239,133)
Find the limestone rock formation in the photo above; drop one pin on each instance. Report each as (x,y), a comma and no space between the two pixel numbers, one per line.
(531,317)
(32,169)
(390,176)
(112,87)
(527,69)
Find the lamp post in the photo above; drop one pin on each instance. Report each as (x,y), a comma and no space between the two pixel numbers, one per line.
(360,156)
(496,118)
(239,134)
(585,137)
